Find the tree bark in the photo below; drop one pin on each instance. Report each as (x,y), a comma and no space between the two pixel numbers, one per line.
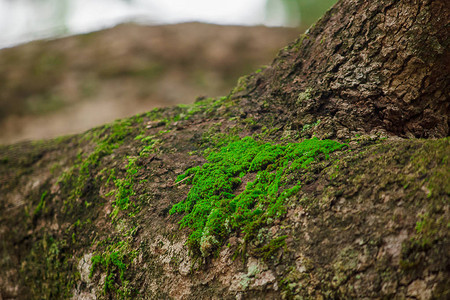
(87,216)
(367,66)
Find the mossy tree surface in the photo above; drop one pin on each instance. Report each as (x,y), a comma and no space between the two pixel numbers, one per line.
(262,175)
(214,209)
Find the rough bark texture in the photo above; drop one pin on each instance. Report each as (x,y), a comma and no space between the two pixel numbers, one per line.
(371,221)
(379,66)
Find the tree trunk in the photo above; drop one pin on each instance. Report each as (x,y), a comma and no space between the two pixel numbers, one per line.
(92,215)
(367,67)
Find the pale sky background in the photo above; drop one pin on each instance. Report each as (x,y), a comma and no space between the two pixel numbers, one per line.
(25,20)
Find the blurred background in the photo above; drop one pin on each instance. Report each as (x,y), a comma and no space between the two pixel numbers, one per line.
(69,65)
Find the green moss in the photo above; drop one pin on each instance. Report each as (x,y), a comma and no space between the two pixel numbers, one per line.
(115,258)
(271,248)
(420,247)
(108,138)
(207,106)
(82,181)
(202,106)
(114,261)
(213,209)
(46,269)
(41,204)
(155,114)
(309,126)
(434,156)
(241,84)
(124,187)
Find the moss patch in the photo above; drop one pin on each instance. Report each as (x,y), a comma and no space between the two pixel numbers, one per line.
(44,270)
(213,206)
(114,261)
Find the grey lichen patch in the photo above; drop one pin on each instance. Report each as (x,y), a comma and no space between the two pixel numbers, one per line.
(244,282)
(304,96)
(344,266)
(258,277)
(310,126)
(208,243)
(174,255)
(86,290)
(254,267)
(84,267)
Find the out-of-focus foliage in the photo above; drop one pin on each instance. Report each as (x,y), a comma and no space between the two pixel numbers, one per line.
(298,12)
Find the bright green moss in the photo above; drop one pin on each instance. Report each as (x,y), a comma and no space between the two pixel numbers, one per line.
(41,204)
(114,261)
(116,258)
(214,209)
(124,187)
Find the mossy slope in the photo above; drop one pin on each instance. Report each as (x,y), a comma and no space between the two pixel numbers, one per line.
(308,217)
